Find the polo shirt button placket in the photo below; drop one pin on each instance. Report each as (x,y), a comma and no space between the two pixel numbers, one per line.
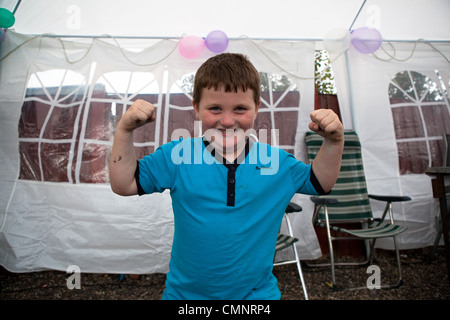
(231,186)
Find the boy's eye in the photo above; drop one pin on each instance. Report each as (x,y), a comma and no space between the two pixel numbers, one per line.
(240,109)
(215,109)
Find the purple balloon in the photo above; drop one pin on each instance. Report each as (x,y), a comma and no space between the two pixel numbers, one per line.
(216,41)
(366,40)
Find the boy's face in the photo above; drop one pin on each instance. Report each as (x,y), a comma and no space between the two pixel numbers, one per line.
(226,116)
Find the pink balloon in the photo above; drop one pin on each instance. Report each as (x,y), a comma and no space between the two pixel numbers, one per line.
(216,41)
(366,40)
(191,47)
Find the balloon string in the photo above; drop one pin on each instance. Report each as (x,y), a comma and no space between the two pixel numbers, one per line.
(319,76)
(162,59)
(87,51)
(75,61)
(139,64)
(18,47)
(393,55)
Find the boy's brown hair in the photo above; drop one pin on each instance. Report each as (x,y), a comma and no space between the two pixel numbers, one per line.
(232,70)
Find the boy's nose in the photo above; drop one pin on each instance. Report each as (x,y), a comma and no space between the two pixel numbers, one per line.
(227,119)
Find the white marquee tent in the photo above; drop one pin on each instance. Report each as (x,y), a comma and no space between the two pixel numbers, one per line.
(68,68)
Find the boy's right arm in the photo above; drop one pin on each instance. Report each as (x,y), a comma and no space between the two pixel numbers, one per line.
(122,163)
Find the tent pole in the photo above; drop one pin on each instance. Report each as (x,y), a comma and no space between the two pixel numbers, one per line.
(350,91)
(48,35)
(17,6)
(347,65)
(357,15)
(105,36)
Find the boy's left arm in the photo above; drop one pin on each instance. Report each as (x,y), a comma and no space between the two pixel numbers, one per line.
(327,163)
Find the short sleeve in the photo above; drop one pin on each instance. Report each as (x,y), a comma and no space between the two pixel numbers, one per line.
(302,176)
(156,171)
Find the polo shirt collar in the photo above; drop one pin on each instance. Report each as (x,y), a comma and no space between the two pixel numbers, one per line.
(240,158)
(232,168)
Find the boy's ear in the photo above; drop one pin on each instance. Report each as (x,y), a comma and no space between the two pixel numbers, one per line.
(195,110)
(257,108)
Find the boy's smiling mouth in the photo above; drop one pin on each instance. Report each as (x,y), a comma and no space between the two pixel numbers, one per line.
(229,132)
(226,140)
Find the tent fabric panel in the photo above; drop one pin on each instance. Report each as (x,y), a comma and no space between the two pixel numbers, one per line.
(48,224)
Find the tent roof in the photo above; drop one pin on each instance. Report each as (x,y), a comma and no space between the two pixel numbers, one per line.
(283,19)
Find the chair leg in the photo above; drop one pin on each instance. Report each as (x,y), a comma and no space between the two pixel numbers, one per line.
(330,249)
(438,237)
(372,251)
(369,260)
(333,275)
(397,252)
(300,273)
(299,267)
(399,266)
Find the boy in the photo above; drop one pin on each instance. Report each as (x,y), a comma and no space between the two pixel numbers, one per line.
(227,207)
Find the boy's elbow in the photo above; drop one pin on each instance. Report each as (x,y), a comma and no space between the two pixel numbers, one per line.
(117,190)
(121,191)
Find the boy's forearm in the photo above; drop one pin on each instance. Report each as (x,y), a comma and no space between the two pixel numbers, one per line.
(327,164)
(122,164)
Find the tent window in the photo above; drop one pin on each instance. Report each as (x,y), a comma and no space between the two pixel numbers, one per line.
(278,112)
(47,127)
(66,128)
(421,114)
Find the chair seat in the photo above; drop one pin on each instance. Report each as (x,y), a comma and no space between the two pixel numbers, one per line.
(376,229)
(284,241)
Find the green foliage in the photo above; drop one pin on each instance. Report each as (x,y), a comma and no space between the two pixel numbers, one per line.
(275,82)
(414,86)
(324,78)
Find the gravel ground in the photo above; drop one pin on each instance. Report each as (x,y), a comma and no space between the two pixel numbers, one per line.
(424,279)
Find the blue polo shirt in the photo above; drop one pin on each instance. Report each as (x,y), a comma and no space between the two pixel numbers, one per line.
(227,215)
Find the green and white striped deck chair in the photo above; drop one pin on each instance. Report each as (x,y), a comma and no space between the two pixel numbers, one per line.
(348,202)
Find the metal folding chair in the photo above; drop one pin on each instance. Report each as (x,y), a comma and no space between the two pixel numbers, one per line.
(349,202)
(285,241)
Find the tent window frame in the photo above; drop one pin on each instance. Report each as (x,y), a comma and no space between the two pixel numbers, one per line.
(421,115)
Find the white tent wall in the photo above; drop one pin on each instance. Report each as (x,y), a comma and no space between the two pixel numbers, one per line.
(369,104)
(51,225)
